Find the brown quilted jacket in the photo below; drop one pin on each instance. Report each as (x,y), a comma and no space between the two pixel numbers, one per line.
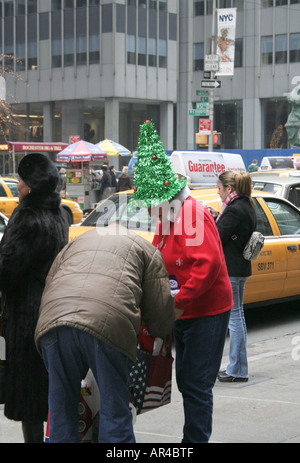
(106,284)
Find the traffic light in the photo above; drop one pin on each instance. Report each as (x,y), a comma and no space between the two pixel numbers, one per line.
(202,140)
(217,138)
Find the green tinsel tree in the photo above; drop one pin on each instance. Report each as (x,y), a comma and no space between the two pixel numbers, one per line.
(154,179)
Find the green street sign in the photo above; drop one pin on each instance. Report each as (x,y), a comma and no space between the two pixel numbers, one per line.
(203,106)
(198,112)
(202,92)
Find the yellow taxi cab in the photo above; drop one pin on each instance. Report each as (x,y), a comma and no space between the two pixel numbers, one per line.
(276,272)
(9,201)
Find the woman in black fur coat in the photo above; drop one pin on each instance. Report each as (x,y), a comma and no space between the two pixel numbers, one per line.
(36,232)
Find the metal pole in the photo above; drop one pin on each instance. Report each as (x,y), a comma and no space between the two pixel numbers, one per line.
(211,100)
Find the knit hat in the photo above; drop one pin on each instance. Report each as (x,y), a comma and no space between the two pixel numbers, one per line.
(154,178)
(38,172)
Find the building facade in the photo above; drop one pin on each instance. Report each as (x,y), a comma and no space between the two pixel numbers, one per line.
(100,68)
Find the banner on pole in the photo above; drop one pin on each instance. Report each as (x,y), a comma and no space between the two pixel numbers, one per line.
(226,25)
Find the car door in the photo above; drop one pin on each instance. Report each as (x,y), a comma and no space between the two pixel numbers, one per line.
(269,270)
(287,219)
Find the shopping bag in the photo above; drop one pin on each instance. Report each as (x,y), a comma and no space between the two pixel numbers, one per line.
(138,377)
(159,382)
(151,376)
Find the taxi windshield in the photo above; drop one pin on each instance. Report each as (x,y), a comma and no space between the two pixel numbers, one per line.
(114,210)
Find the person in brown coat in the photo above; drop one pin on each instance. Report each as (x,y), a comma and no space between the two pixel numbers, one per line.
(99,289)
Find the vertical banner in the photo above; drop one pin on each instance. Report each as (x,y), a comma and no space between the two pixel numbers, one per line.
(226,24)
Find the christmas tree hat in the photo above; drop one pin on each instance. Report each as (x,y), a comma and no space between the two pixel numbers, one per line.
(154,179)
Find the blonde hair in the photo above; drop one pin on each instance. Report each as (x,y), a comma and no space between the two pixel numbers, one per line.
(241,183)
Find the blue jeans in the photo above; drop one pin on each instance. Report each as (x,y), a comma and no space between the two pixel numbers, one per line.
(68,353)
(199,344)
(238,365)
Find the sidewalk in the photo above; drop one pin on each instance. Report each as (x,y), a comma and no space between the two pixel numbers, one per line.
(266,409)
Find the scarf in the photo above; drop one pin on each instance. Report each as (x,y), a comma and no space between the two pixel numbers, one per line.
(230,198)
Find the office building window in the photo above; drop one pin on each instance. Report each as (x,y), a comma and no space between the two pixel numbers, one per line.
(32,56)
(56,5)
(238,55)
(20,43)
(294,48)
(281,2)
(163,6)
(8,8)
(152,54)
(32,42)
(56,53)
(32,6)
(281,49)
(131,49)
(142,51)
(198,7)
(94,42)
(276,111)
(198,56)
(56,39)
(267,3)
(94,52)
(20,7)
(68,38)
(68,4)
(81,42)
(228,118)
(162,53)
(266,50)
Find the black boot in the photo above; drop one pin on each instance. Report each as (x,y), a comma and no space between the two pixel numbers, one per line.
(33,432)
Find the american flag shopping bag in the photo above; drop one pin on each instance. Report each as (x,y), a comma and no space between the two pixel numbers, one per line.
(151,376)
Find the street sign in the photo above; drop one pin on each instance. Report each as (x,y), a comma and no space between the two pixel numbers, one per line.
(211,63)
(203,106)
(197,112)
(202,92)
(205,126)
(210,83)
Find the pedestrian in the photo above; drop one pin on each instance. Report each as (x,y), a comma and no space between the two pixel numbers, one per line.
(235,224)
(253,167)
(190,244)
(112,172)
(124,182)
(62,183)
(105,185)
(36,232)
(90,318)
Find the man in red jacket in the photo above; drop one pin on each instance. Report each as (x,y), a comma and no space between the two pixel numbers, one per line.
(194,259)
(192,251)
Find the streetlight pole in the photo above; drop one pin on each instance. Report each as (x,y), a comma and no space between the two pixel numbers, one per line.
(211,100)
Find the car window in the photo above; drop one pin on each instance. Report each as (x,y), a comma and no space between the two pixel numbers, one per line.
(273,188)
(294,195)
(2,191)
(287,218)
(13,186)
(281,163)
(263,225)
(115,210)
